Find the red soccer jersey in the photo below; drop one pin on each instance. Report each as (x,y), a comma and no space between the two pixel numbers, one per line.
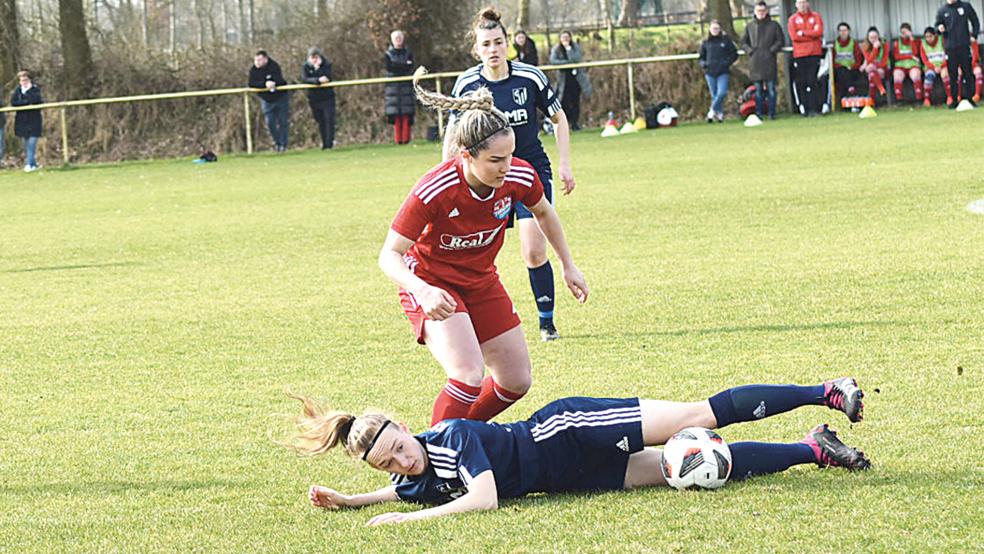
(456,233)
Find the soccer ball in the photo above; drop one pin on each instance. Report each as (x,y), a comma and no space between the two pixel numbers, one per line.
(696,458)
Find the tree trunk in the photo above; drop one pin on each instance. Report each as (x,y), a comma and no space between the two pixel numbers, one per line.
(522,14)
(252,22)
(75,45)
(629,13)
(721,10)
(9,40)
(545,8)
(144,29)
(241,35)
(172,23)
(606,13)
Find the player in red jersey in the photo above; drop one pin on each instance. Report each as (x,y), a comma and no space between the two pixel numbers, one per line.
(441,251)
(875,62)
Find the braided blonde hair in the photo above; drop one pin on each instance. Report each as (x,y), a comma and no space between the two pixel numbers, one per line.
(478,122)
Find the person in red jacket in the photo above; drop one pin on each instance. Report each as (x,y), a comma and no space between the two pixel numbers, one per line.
(875,62)
(934,60)
(906,58)
(806,31)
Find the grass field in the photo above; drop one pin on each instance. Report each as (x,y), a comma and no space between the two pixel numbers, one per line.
(154,313)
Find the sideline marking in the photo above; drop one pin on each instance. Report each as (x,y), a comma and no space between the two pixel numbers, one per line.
(976,207)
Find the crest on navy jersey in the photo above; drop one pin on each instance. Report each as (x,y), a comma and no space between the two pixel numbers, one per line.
(520,95)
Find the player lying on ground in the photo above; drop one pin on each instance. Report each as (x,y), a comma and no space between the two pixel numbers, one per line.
(441,251)
(573,444)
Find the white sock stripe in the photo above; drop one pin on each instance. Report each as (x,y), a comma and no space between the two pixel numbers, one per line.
(434,183)
(552,420)
(459,396)
(452,389)
(503,398)
(439,191)
(556,430)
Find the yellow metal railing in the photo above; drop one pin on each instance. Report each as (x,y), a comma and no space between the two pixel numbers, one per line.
(245,92)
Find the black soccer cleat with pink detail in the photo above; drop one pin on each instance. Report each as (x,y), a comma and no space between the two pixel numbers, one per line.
(845,395)
(830,451)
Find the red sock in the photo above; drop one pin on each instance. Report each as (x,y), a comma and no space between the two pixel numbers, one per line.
(454,402)
(949,90)
(917,87)
(898,90)
(493,400)
(406,129)
(979,81)
(928,89)
(396,131)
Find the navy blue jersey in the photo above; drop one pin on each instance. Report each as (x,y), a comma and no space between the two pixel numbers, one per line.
(570,444)
(524,91)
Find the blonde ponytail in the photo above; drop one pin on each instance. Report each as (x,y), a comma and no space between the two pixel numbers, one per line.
(478,120)
(319,431)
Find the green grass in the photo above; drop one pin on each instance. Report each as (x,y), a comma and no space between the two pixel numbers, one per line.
(153,313)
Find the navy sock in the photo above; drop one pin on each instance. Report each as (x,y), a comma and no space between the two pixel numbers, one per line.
(753,402)
(762,458)
(542,283)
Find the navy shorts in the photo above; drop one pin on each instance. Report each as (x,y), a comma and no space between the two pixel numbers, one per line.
(543,171)
(584,444)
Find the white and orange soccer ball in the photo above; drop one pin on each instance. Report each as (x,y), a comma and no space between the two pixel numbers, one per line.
(696,458)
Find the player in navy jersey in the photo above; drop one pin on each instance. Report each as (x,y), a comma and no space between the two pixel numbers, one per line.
(520,90)
(572,444)
(441,250)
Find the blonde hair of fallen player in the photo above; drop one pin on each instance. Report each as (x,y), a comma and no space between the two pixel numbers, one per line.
(491,47)
(450,335)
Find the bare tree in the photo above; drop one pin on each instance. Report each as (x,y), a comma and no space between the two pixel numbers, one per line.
(144,25)
(172,24)
(545,8)
(721,10)
(74,45)
(629,13)
(9,40)
(522,14)
(606,11)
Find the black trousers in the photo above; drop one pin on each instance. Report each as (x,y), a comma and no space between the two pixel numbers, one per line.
(324,114)
(956,60)
(807,87)
(846,79)
(571,101)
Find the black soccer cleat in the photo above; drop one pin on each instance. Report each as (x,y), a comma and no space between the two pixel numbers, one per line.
(830,451)
(845,395)
(548,332)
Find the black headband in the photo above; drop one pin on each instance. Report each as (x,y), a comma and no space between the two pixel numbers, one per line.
(488,136)
(375,438)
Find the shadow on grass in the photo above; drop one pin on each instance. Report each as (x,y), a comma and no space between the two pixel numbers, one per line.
(116,487)
(832,325)
(67,267)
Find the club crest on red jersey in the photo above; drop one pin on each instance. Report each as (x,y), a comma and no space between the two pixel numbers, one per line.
(502,207)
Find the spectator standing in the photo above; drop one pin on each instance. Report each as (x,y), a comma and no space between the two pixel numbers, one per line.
(958,22)
(266,74)
(317,71)
(847,62)
(525,49)
(875,62)
(572,82)
(762,41)
(806,32)
(934,60)
(400,101)
(906,57)
(717,54)
(27,124)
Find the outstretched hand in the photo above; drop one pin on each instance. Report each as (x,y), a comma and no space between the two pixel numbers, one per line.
(326,498)
(390,517)
(577,283)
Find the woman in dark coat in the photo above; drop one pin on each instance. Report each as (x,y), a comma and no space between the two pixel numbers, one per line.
(717,54)
(400,101)
(317,71)
(572,82)
(525,49)
(27,124)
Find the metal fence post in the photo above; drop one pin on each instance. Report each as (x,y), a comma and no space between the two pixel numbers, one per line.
(440,113)
(249,126)
(64,130)
(632,106)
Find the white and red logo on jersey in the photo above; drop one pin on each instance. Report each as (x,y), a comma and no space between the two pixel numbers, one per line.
(502,207)
(480,239)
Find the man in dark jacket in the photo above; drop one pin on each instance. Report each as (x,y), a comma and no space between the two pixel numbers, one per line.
(762,41)
(317,71)
(400,101)
(265,73)
(27,124)
(958,22)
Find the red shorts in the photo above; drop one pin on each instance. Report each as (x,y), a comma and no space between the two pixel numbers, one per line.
(490,308)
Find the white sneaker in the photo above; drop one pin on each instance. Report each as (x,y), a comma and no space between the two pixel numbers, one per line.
(720,117)
(710,116)
(30,168)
